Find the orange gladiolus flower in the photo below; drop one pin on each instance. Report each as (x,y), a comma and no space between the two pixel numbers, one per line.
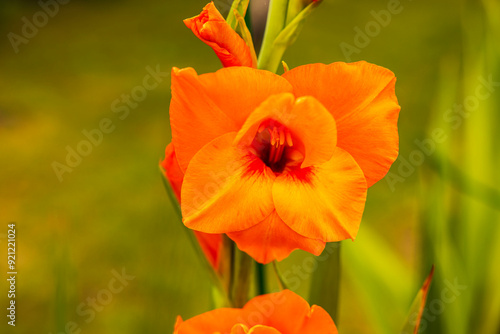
(282,162)
(214,31)
(277,313)
(209,243)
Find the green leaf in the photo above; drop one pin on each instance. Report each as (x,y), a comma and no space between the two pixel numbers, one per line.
(417,307)
(380,277)
(464,182)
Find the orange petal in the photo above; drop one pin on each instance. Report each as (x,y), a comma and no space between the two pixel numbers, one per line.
(172,170)
(362,100)
(214,31)
(318,321)
(194,118)
(217,321)
(281,312)
(237,91)
(272,240)
(311,125)
(285,311)
(178,323)
(207,106)
(211,246)
(323,202)
(226,189)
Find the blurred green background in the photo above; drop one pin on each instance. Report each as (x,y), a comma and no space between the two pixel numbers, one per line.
(111,214)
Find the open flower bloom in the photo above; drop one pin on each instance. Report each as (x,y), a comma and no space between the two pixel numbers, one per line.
(210,243)
(277,313)
(214,31)
(282,162)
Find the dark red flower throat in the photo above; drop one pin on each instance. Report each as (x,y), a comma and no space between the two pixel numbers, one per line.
(272,144)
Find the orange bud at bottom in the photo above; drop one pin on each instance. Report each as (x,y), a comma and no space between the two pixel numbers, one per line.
(282,312)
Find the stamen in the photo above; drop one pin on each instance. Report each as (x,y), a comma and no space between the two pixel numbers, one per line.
(277,143)
(271,146)
(272,153)
(279,153)
(273,136)
(289,139)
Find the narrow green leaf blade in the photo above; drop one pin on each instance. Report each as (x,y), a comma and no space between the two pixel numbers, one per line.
(240,7)
(417,307)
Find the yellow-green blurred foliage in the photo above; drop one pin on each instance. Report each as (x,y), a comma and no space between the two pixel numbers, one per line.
(111,211)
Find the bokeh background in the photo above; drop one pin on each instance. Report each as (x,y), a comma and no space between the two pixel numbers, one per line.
(439,205)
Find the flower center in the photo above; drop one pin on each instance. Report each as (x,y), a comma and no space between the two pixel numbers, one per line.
(271,144)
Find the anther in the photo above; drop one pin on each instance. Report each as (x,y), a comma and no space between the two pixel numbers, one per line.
(289,139)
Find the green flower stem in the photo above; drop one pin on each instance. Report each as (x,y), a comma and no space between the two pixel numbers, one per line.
(226,264)
(281,282)
(241,7)
(241,278)
(325,283)
(261,278)
(294,8)
(274,46)
(276,17)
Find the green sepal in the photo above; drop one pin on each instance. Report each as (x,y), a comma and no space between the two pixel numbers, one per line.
(294,8)
(270,56)
(289,35)
(244,32)
(240,7)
